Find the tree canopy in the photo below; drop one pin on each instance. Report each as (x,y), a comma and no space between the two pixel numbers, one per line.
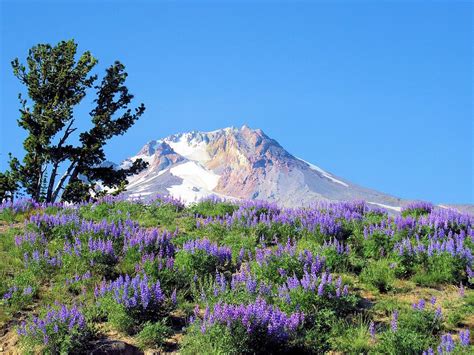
(55,165)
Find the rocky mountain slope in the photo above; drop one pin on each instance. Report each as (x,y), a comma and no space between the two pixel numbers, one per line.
(243,164)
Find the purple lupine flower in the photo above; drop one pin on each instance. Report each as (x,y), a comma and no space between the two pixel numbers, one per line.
(422,206)
(196,311)
(372,330)
(447,344)
(241,256)
(420,305)
(345,291)
(133,292)
(394,322)
(223,254)
(252,316)
(321,289)
(173,297)
(469,272)
(55,317)
(464,337)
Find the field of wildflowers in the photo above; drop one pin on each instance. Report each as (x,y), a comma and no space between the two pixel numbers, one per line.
(236,278)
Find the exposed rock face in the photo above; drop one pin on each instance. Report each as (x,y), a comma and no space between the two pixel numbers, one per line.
(239,163)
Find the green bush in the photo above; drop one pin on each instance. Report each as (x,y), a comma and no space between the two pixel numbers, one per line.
(439,269)
(200,263)
(404,341)
(379,274)
(276,269)
(153,335)
(351,338)
(118,316)
(217,340)
(417,331)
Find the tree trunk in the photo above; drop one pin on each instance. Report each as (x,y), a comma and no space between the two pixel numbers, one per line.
(52,179)
(63,179)
(54,172)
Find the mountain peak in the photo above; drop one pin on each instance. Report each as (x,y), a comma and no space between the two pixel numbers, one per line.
(241,163)
(226,130)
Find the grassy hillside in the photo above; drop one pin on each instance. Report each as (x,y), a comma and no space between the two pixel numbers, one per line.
(221,278)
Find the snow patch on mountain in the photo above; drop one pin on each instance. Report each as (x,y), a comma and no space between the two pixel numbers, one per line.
(324,173)
(198,182)
(190,148)
(395,208)
(144,180)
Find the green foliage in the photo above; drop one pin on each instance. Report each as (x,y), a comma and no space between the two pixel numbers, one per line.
(9,182)
(153,335)
(322,314)
(404,341)
(118,316)
(415,212)
(439,269)
(209,208)
(132,318)
(200,263)
(219,339)
(275,231)
(153,215)
(276,269)
(417,331)
(379,274)
(316,338)
(421,321)
(350,338)
(377,245)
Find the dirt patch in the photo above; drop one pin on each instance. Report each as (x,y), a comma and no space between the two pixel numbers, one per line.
(114,342)
(4,227)
(9,340)
(444,295)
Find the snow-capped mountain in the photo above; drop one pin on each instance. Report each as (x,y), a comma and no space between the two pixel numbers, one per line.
(242,164)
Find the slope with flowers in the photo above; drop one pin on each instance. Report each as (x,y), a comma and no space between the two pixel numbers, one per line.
(214,277)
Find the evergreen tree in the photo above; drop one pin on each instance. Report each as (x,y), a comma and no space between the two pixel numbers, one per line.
(56,83)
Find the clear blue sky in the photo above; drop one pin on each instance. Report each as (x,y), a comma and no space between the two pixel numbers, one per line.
(379,93)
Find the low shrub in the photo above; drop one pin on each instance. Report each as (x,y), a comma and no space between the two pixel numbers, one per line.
(379,274)
(153,335)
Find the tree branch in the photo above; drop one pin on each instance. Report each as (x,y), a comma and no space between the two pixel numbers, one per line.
(54,171)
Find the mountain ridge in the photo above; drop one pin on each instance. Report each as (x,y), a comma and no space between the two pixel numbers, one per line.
(239,163)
